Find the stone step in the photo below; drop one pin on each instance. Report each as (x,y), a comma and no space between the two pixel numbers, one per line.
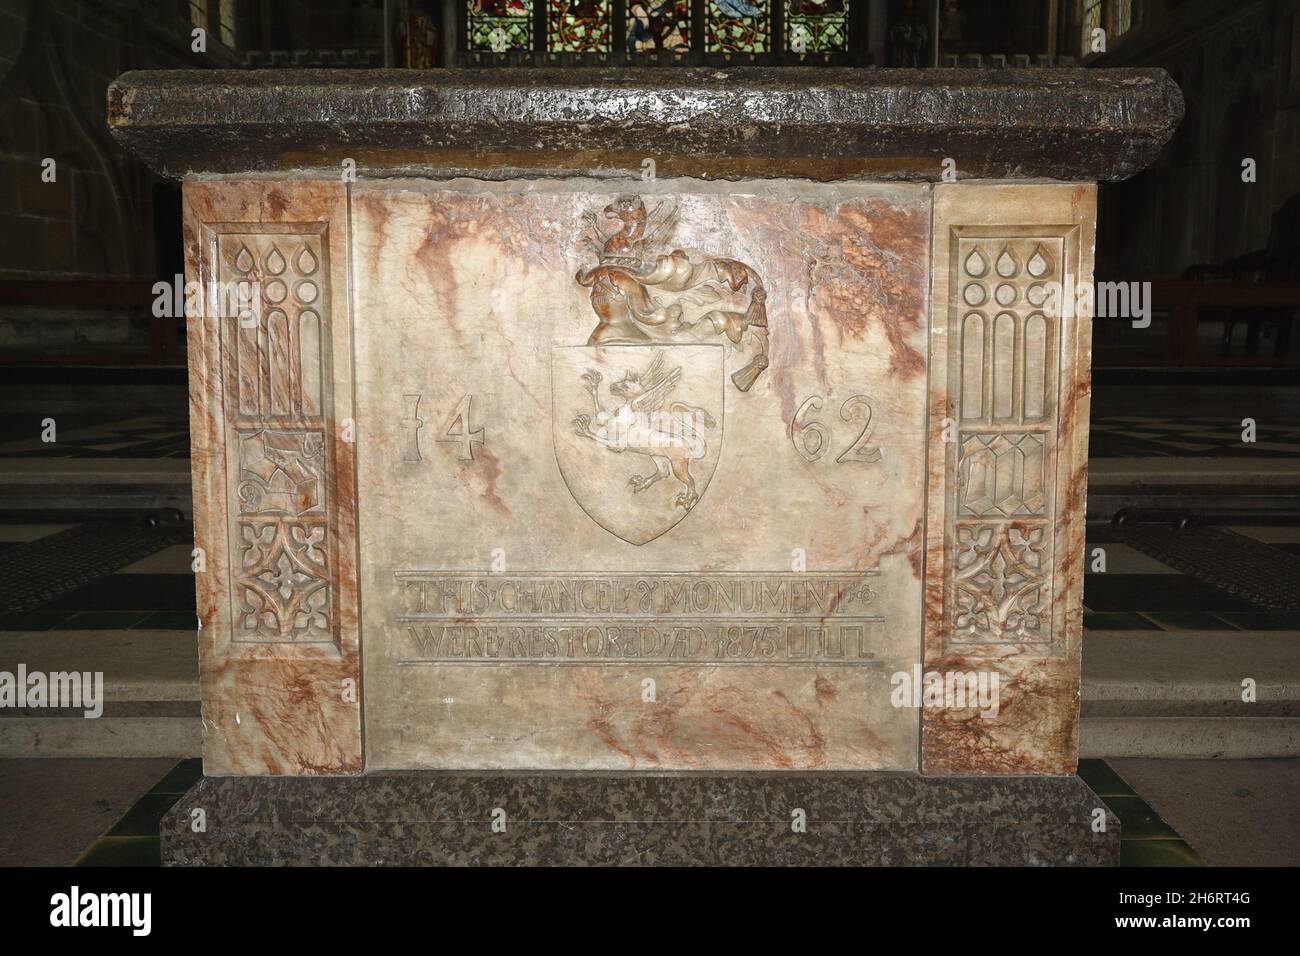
(94,485)
(1179,694)
(1211,487)
(150,691)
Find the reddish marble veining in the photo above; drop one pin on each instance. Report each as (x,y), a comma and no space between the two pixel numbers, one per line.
(1035,730)
(271,707)
(476,286)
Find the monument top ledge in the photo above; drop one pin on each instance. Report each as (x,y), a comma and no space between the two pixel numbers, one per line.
(1061,124)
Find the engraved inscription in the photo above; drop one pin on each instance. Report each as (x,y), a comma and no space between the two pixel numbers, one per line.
(410,425)
(596,618)
(812,440)
(460,431)
(808,434)
(854,407)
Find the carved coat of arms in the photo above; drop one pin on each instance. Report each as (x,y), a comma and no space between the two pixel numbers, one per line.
(637,417)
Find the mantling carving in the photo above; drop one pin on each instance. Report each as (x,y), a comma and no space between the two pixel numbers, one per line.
(640,297)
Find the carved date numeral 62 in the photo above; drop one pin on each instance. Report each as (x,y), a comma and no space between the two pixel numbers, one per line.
(812,440)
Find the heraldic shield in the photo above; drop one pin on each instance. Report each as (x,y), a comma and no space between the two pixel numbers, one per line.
(637,431)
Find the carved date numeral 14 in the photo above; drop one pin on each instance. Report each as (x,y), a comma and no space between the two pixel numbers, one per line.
(812,440)
(459,430)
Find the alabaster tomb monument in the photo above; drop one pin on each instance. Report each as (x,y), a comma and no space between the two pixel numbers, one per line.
(669,466)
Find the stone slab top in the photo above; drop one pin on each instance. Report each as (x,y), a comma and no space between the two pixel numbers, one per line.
(824,124)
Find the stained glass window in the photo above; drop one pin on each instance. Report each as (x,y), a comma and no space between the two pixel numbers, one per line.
(816,26)
(1121,17)
(668,30)
(1091,21)
(577,26)
(500,25)
(658,25)
(226,22)
(737,26)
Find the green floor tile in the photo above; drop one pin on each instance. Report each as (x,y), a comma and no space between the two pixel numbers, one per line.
(1157,853)
(123,851)
(142,819)
(1104,781)
(1139,821)
(181,777)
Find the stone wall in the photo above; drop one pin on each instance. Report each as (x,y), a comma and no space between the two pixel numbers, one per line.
(1238,64)
(57,58)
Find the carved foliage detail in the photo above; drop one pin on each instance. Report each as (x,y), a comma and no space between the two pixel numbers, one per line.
(1001,583)
(284,581)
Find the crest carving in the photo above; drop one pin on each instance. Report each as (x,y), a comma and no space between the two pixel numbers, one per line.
(641,297)
(637,417)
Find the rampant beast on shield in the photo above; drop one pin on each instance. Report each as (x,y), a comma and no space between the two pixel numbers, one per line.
(639,424)
(639,461)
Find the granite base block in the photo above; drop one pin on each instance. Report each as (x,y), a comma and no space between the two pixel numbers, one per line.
(423,818)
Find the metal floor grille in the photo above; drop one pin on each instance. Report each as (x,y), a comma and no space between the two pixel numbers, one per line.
(35,573)
(1247,569)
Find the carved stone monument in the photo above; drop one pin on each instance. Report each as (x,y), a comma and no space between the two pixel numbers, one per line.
(632,425)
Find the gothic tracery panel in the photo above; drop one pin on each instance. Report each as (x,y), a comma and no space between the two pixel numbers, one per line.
(1007,297)
(278,451)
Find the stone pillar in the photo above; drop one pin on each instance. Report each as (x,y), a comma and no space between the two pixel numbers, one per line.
(1009,387)
(272,440)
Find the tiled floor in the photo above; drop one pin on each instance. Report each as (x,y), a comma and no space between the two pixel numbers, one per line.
(133,840)
(1200,436)
(1195,414)
(1137,592)
(1145,839)
(95,435)
(155,592)
(52,809)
